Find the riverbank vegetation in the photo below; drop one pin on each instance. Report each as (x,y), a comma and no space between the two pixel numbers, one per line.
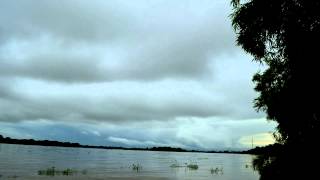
(283,36)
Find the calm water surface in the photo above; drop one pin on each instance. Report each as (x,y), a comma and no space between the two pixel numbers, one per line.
(24,162)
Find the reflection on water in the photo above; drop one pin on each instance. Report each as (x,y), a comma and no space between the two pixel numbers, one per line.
(26,161)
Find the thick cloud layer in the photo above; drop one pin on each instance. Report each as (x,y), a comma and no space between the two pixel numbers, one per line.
(81,41)
(164,100)
(125,65)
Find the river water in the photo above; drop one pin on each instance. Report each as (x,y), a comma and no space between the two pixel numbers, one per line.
(25,162)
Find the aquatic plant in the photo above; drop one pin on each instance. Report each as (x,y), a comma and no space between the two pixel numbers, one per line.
(216,170)
(68,172)
(49,172)
(84,172)
(136,167)
(53,172)
(193,166)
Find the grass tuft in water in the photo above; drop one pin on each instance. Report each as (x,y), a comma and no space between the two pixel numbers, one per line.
(136,167)
(216,170)
(68,172)
(48,172)
(84,172)
(53,172)
(193,166)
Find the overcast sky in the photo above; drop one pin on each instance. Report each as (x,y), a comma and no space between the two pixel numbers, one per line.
(127,73)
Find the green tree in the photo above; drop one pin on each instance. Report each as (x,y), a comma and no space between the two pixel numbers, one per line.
(284,36)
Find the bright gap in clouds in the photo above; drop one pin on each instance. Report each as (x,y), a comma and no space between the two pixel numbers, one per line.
(119,73)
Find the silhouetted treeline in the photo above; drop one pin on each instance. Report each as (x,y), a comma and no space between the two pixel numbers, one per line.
(272,149)
(8,140)
(167,149)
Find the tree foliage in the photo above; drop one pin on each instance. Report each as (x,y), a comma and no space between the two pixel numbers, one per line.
(284,35)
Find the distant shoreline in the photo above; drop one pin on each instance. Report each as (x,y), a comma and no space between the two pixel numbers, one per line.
(8,140)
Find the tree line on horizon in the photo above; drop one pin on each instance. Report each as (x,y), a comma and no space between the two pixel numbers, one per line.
(8,140)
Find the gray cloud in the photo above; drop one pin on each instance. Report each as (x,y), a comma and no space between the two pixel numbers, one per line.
(128,105)
(118,70)
(71,20)
(54,68)
(78,41)
(134,143)
(129,101)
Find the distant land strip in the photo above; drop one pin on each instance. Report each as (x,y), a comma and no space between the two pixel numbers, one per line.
(8,140)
